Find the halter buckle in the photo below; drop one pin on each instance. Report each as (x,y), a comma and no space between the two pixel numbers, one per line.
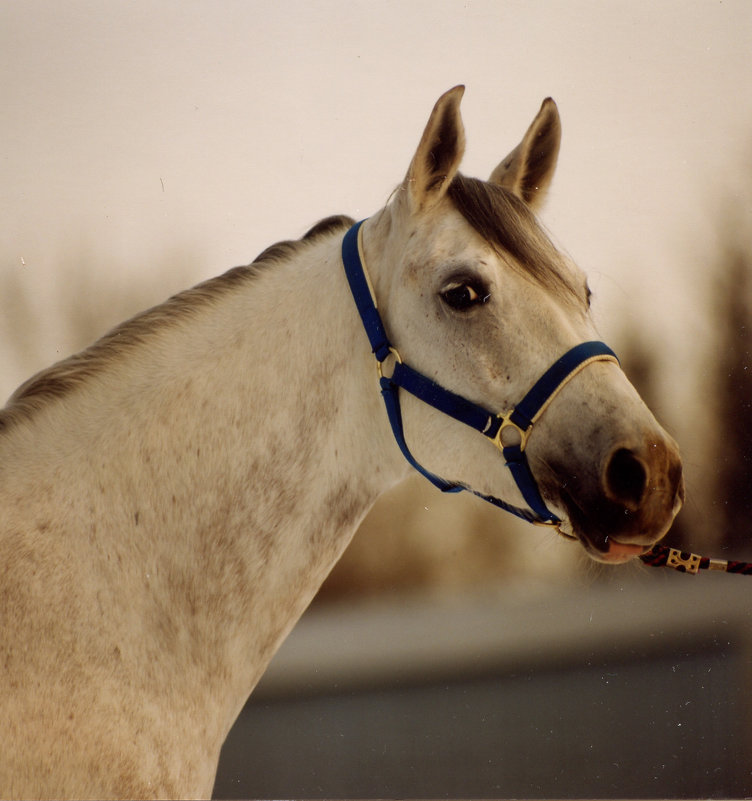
(510,434)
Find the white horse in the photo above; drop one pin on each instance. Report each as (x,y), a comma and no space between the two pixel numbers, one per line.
(173,497)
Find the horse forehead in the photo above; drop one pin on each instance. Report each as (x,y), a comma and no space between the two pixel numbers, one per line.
(451,239)
(448,240)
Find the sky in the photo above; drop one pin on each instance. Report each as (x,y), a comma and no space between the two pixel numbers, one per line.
(134,131)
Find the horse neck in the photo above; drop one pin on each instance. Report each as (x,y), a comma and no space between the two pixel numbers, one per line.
(222,465)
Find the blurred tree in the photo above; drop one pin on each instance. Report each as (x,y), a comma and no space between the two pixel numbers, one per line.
(416,539)
(730,372)
(49,312)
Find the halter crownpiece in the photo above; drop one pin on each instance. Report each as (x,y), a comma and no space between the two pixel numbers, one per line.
(509,431)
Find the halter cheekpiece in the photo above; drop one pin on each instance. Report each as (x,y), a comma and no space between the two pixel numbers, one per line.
(509,431)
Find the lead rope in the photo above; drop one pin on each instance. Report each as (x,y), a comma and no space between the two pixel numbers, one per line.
(684,562)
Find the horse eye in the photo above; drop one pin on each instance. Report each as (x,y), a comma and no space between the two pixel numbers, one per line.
(462,296)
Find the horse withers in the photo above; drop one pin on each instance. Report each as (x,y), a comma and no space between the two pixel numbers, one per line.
(173,496)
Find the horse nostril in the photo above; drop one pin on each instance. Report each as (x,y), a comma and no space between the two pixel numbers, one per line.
(626,478)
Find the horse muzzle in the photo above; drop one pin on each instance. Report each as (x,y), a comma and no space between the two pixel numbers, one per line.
(622,512)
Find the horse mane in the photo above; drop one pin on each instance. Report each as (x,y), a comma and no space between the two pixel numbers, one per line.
(64,376)
(507,224)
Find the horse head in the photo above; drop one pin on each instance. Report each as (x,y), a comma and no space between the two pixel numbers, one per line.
(477,298)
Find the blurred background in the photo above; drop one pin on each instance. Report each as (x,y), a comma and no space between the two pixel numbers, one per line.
(453,651)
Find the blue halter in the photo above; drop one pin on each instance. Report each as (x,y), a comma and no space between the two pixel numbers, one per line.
(509,431)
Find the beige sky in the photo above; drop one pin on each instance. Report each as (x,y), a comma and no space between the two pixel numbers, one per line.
(135,129)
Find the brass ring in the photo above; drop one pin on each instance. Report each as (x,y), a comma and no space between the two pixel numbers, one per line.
(392,352)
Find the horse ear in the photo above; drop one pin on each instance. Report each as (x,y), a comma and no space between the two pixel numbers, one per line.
(528,169)
(439,153)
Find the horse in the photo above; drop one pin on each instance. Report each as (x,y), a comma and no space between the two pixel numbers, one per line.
(173,496)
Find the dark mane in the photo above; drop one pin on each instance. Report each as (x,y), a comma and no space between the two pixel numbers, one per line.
(283,250)
(59,379)
(504,221)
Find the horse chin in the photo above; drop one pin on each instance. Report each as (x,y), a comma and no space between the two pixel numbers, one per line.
(618,552)
(609,548)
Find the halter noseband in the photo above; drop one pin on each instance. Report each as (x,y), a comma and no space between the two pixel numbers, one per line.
(509,431)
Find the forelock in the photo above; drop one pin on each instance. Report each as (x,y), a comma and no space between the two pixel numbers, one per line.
(508,225)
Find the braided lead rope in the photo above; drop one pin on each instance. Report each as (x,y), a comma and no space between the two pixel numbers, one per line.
(684,562)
